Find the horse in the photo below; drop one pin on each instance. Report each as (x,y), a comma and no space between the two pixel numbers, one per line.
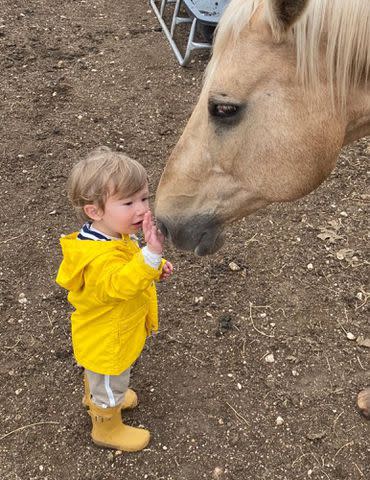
(286,88)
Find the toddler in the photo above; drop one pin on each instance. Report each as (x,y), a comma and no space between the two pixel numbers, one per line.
(111,287)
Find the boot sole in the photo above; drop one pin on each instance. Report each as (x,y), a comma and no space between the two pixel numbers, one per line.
(113,447)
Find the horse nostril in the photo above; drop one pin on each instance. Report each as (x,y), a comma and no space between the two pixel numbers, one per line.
(162,227)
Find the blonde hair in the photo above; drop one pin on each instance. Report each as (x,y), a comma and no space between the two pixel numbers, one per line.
(103,173)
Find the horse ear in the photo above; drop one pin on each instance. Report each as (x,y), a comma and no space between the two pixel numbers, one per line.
(284,13)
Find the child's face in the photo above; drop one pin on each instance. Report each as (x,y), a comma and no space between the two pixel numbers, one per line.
(123,215)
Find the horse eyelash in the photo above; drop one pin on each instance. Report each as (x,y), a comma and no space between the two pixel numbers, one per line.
(229,116)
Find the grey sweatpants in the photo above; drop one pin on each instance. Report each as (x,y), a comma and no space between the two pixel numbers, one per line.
(108,390)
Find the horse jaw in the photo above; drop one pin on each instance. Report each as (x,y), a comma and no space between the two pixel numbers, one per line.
(358,117)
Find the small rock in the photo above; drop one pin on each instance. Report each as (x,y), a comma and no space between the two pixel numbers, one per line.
(279,420)
(270,358)
(350,336)
(310,266)
(217,473)
(22,298)
(363,402)
(234,267)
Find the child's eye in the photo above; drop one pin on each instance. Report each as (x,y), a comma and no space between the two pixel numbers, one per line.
(145,199)
(127,204)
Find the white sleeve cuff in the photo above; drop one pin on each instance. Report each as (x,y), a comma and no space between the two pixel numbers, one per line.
(150,258)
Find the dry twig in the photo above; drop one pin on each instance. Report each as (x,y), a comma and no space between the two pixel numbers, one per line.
(240,417)
(26,426)
(253,325)
(12,238)
(349,444)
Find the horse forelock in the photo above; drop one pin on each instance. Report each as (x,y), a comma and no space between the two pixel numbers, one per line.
(340,28)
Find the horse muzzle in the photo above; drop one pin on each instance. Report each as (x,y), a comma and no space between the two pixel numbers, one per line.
(202,234)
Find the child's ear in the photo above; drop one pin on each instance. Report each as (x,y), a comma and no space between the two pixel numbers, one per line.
(93,212)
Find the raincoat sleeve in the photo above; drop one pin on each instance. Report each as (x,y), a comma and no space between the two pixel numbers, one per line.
(125,280)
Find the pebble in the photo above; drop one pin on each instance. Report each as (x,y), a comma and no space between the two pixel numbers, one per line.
(310,266)
(279,420)
(350,336)
(22,298)
(270,358)
(234,266)
(217,472)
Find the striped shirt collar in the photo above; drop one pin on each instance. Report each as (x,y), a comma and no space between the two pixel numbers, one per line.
(87,232)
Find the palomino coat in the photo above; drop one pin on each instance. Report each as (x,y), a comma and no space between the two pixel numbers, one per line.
(112,290)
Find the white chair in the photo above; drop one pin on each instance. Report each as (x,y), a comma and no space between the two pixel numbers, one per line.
(200,14)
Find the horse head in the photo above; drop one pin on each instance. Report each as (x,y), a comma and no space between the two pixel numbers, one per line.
(285,89)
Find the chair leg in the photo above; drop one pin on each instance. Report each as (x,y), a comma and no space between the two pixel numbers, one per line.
(190,44)
(176,20)
(174,17)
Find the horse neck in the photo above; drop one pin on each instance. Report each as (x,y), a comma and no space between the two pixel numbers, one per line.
(358,115)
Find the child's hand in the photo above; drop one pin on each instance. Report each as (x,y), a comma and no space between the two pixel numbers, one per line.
(167,270)
(154,238)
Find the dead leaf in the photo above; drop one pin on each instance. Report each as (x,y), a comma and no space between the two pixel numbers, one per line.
(316,436)
(345,254)
(329,235)
(363,342)
(335,225)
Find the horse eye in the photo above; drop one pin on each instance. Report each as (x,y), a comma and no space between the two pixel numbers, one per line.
(222,110)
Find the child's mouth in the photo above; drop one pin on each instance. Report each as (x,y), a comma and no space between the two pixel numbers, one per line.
(137,224)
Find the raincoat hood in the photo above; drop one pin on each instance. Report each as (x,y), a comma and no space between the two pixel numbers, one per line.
(77,255)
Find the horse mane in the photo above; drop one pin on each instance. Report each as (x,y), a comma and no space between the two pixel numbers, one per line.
(341,26)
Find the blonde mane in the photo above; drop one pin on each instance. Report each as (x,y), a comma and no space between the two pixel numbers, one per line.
(341,26)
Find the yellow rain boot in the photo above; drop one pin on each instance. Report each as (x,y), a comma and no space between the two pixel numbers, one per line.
(129,402)
(109,431)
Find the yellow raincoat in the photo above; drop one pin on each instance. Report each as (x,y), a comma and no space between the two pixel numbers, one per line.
(112,290)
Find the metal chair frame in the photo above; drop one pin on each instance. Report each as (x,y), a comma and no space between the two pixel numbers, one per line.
(195,18)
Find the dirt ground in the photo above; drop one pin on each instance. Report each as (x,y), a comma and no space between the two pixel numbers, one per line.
(255,371)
